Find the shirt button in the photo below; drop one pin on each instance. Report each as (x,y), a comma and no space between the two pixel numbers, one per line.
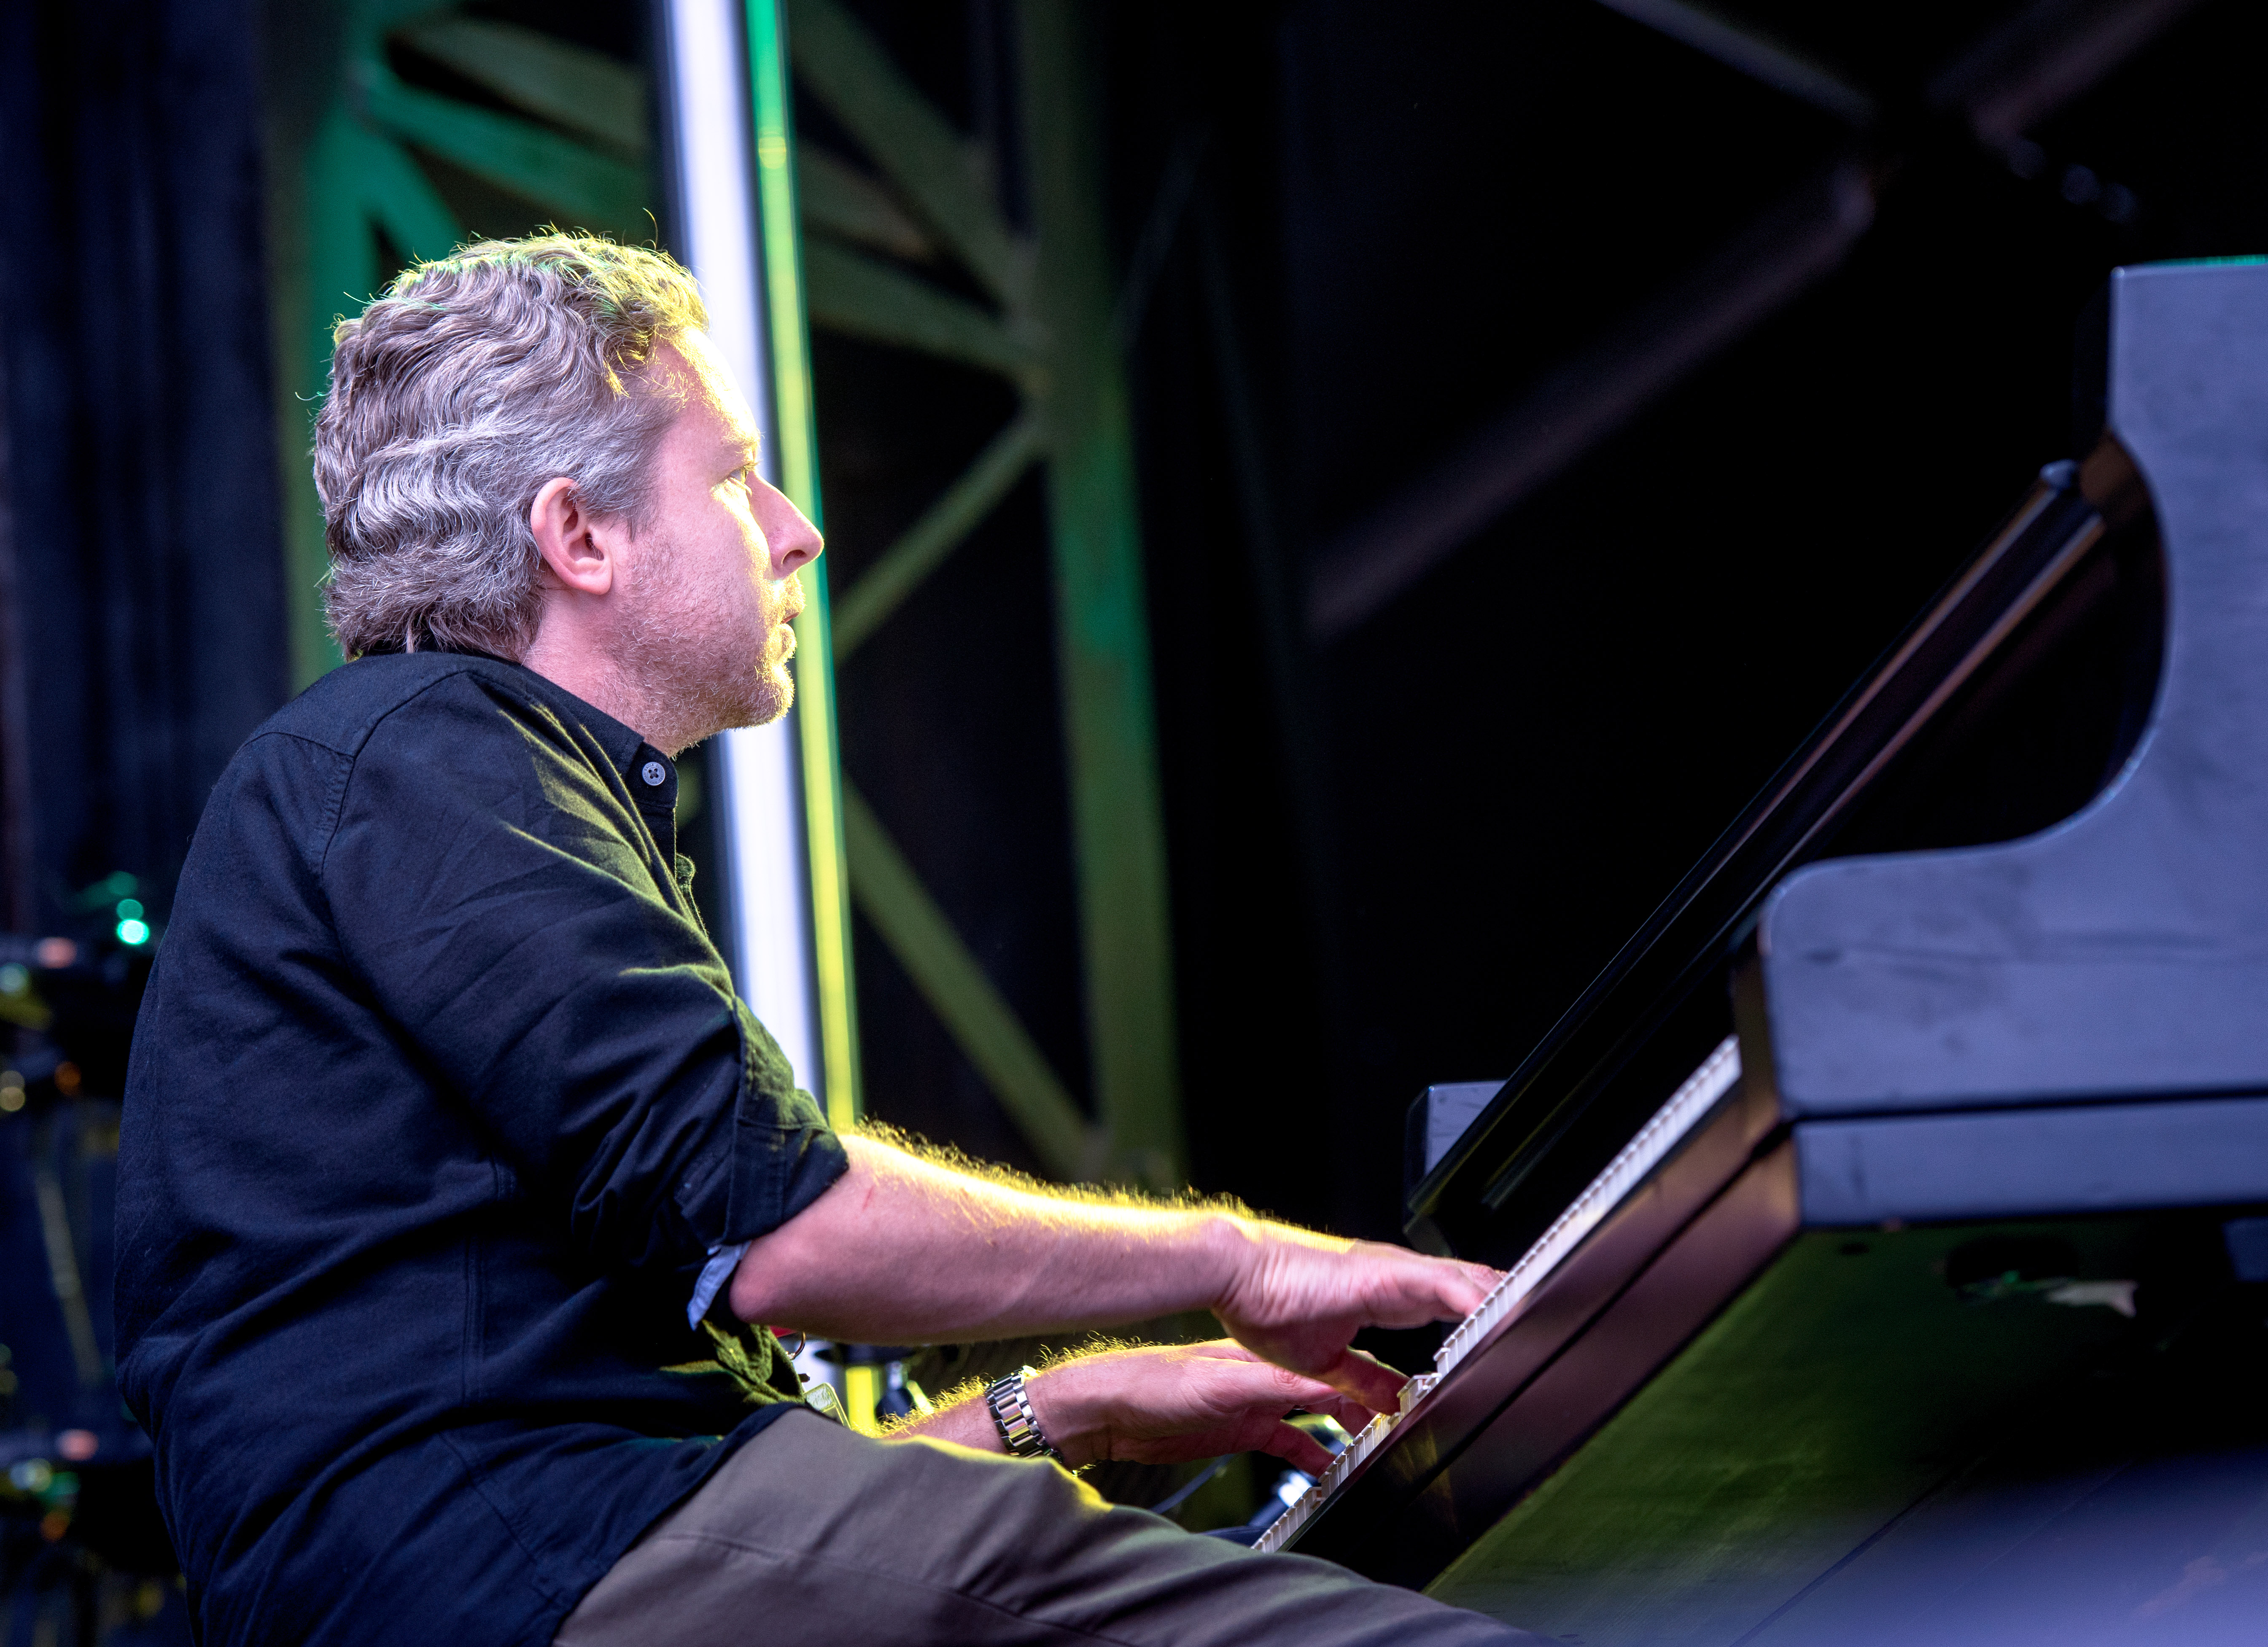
(654,773)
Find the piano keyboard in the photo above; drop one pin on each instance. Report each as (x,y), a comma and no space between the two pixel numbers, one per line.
(1639,1156)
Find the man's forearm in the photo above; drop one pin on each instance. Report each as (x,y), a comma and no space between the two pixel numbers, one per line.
(966,1422)
(903,1250)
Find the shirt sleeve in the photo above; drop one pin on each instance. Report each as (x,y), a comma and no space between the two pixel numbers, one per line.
(495,893)
(723,1261)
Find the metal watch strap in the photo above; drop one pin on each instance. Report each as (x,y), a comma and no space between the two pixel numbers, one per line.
(1013,1416)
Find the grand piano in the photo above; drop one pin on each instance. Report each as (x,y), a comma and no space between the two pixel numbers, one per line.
(1887,1228)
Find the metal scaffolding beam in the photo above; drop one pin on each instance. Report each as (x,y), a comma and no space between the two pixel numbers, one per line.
(2016,75)
(1102,618)
(1055,337)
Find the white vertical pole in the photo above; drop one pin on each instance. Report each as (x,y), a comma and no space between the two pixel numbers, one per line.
(756,770)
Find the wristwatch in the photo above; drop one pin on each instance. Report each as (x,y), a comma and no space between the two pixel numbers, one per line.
(1013,1418)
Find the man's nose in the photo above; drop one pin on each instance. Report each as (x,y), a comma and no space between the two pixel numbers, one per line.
(795,543)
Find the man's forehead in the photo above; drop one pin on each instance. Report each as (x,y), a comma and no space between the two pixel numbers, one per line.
(695,357)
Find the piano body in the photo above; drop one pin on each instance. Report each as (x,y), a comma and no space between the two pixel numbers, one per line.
(1888,1262)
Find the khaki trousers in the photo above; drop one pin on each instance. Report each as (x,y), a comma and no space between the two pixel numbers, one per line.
(814,1536)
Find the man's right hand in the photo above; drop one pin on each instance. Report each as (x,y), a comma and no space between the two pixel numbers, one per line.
(1298,1299)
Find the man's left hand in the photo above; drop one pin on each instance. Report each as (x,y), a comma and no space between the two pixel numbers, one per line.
(1163,1404)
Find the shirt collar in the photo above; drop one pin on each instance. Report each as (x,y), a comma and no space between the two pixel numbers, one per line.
(631,753)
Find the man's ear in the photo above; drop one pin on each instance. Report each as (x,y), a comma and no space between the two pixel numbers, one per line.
(580,551)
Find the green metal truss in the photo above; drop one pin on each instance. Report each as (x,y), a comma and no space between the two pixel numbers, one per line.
(1050,333)
(796,430)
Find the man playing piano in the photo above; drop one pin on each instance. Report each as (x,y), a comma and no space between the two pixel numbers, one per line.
(458,1192)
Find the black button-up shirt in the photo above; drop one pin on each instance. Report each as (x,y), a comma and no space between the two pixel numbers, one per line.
(440,1098)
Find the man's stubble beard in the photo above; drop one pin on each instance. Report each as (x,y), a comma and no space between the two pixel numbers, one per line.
(695,666)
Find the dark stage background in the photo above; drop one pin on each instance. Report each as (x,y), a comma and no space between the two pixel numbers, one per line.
(1541,417)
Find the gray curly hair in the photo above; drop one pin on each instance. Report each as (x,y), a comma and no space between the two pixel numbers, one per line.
(454,397)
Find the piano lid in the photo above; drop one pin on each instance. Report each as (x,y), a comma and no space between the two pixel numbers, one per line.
(2057,618)
(2123,951)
